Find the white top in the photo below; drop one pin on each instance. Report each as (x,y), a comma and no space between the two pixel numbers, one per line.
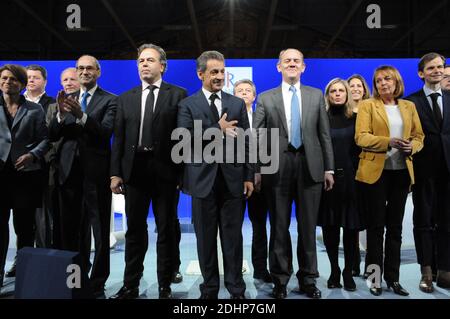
(145,93)
(217,102)
(287,98)
(394,158)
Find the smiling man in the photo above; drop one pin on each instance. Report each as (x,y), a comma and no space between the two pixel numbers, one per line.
(306,166)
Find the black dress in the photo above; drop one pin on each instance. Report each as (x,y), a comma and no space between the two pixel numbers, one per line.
(339,207)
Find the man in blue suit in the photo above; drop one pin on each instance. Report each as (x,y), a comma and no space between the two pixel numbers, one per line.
(217,188)
(431,192)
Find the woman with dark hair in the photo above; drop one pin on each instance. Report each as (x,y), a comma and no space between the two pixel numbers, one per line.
(389,132)
(338,207)
(23,144)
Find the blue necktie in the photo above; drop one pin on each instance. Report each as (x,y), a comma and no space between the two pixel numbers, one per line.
(296,122)
(84,101)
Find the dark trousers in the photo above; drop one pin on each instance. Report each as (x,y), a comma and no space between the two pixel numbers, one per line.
(144,187)
(331,239)
(385,208)
(258,212)
(85,205)
(294,184)
(222,211)
(431,216)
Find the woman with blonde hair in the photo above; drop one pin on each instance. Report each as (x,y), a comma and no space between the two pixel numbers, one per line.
(389,132)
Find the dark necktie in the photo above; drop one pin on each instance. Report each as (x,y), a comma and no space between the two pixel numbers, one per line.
(436,110)
(214,111)
(147,139)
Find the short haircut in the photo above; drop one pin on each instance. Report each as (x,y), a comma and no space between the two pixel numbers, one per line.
(203,59)
(162,53)
(349,104)
(245,81)
(283,51)
(427,58)
(366,94)
(392,71)
(97,64)
(36,67)
(19,72)
(68,69)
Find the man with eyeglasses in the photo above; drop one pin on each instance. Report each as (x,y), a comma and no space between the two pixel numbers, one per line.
(85,121)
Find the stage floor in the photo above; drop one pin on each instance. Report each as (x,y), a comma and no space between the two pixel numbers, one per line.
(189,288)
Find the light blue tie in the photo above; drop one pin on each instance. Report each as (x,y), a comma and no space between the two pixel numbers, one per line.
(296,122)
(84,101)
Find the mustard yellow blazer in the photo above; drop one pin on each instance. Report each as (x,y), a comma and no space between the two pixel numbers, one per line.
(372,135)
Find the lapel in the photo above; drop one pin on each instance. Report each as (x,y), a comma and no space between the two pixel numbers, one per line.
(95,99)
(379,108)
(306,100)
(3,122)
(204,106)
(279,106)
(163,93)
(406,117)
(225,104)
(427,109)
(135,104)
(23,109)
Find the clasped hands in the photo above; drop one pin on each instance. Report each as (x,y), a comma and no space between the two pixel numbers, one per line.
(68,104)
(405,146)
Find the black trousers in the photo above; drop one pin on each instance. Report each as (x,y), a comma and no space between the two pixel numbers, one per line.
(258,213)
(85,205)
(431,217)
(222,211)
(385,207)
(295,184)
(144,187)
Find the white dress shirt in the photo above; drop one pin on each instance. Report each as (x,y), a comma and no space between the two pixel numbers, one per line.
(250,117)
(287,98)
(145,93)
(217,102)
(33,99)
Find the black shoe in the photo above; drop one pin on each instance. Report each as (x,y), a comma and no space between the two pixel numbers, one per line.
(99,293)
(165,293)
(356,272)
(334,280)
(12,271)
(349,283)
(208,296)
(177,277)
(375,291)
(311,291)
(266,277)
(236,297)
(126,293)
(279,292)
(397,288)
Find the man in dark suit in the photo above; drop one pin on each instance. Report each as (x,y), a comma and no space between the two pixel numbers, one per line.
(305,166)
(431,192)
(445,83)
(85,122)
(217,187)
(142,169)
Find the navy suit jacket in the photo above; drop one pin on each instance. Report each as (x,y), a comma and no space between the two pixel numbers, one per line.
(199,178)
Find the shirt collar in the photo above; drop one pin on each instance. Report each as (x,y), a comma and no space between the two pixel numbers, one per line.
(285,86)
(208,94)
(145,85)
(35,100)
(429,91)
(91,91)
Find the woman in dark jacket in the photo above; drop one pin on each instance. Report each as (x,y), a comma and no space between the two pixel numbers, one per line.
(23,144)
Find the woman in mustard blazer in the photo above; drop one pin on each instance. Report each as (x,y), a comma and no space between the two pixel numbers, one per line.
(389,132)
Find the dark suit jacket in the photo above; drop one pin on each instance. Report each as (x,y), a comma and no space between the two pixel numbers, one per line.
(316,136)
(198,178)
(91,141)
(45,101)
(126,131)
(28,134)
(436,143)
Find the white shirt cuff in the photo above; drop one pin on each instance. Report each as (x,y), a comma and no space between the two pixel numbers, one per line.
(83,120)
(331,172)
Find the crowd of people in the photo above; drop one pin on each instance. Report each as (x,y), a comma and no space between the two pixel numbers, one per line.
(347,158)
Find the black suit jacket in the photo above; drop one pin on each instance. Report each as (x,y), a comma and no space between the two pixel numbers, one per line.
(91,141)
(45,101)
(436,143)
(198,178)
(126,131)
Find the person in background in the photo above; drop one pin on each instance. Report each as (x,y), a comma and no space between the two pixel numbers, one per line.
(445,83)
(388,130)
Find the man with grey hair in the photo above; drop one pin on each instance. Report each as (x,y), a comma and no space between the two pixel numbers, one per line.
(142,169)
(217,188)
(306,166)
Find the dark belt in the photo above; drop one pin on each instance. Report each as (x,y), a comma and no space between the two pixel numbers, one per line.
(300,150)
(144,149)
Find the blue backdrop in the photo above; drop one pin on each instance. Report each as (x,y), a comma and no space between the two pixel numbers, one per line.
(119,76)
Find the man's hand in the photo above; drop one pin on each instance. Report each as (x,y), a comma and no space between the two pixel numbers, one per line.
(229,128)
(117,185)
(248,189)
(60,102)
(328,182)
(23,161)
(73,106)
(257,182)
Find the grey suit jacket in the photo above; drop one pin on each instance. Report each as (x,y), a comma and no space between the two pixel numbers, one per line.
(315,129)
(28,134)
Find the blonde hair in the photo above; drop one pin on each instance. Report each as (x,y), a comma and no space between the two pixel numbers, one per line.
(392,71)
(349,104)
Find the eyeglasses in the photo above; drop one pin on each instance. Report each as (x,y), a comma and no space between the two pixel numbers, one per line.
(87,68)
